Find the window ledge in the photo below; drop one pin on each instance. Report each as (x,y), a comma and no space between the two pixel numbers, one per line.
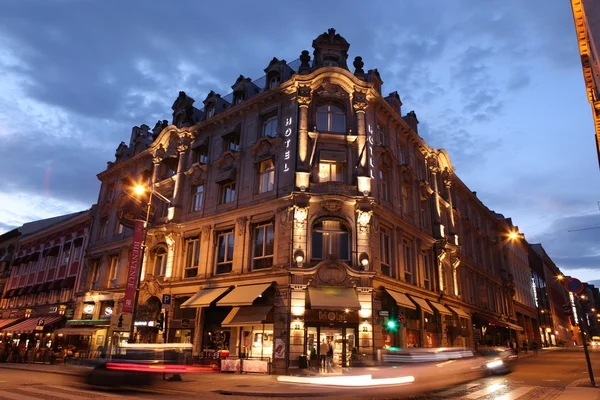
(341,137)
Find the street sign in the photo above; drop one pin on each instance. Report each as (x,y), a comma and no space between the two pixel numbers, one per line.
(574,285)
(166,300)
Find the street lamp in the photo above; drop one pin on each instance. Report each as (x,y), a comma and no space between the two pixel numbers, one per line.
(140,190)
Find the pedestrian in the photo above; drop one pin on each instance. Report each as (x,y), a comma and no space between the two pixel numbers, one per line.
(525,346)
(323,349)
(330,358)
(534,347)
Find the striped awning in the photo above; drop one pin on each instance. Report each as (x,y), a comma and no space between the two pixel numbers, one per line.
(7,322)
(28,326)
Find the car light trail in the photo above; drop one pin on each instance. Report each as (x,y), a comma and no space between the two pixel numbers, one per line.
(171,368)
(350,381)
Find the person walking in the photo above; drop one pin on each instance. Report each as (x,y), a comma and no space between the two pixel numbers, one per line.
(329,357)
(525,346)
(534,347)
(323,350)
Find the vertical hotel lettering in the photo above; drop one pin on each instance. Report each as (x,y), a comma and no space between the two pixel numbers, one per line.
(287,144)
(370,149)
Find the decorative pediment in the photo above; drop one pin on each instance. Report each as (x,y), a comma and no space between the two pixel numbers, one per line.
(265,147)
(333,272)
(426,190)
(331,90)
(122,151)
(228,160)
(387,159)
(197,173)
(332,206)
(241,84)
(408,173)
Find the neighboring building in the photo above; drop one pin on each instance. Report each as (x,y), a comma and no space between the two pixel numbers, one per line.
(516,262)
(590,309)
(8,247)
(561,332)
(586,14)
(47,263)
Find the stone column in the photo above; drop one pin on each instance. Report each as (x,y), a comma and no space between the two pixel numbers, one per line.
(452,225)
(455,264)
(156,160)
(360,105)
(303,150)
(178,193)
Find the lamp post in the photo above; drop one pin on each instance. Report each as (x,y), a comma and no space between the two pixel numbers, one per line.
(135,267)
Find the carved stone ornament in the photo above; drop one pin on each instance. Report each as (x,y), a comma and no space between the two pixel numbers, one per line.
(285,218)
(426,190)
(304,95)
(240,223)
(333,272)
(441,255)
(264,148)
(197,173)
(330,90)
(152,286)
(229,159)
(359,101)
(205,233)
(455,262)
(332,206)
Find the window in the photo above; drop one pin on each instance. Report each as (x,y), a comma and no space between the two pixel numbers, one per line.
(225,244)
(269,127)
(263,243)
(231,142)
(385,251)
(66,253)
(331,166)
(427,272)
(95,275)
(192,258)
(103,228)
(384,191)
(239,98)
(406,203)
(266,176)
(330,238)
(110,192)
(170,167)
(381,136)
(331,119)
(114,268)
(160,262)
(201,153)
(409,271)
(273,81)
(227,192)
(120,228)
(210,112)
(197,197)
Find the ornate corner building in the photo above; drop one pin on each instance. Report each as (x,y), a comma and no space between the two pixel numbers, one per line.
(303,207)
(586,14)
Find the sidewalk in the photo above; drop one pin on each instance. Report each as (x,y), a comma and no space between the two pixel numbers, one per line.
(544,350)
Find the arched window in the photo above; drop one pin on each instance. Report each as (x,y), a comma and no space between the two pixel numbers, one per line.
(160,262)
(330,238)
(331,118)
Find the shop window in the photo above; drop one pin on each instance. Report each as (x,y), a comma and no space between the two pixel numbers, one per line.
(409,268)
(269,125)
(330,238)
(160,262)
(385,252)
(231,142)
(225,243)
(331,118)
(192,259)
(227,192)
(197,197)
(263,244)
(331,166)
(257,341)
(266,176)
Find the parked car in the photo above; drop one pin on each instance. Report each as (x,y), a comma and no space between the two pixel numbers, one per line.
(498,360)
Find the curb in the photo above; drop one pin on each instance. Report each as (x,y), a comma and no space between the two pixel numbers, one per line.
(270,394)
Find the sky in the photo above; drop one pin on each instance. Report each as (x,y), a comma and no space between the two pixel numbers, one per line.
(496,83)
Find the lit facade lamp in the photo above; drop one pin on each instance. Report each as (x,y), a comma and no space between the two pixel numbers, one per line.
(364,261)
(299,258)
(300,215)
(363,217)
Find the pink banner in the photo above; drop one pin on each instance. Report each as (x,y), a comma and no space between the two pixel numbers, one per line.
(134,267)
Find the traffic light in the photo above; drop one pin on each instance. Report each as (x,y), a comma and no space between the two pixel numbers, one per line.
(391,325)
(160,320)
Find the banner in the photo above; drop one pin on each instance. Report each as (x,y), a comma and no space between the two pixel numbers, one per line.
(134,267)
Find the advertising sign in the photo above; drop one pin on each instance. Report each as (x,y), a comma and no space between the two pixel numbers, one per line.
(134,267)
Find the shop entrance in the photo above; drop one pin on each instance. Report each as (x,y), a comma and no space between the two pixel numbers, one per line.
(342,339)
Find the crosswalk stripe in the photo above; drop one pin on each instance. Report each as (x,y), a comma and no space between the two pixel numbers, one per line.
(484,392)
(460,388)
(68,394)
(515,394)
(78,391)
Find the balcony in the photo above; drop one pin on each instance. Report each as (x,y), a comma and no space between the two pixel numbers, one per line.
(334,187)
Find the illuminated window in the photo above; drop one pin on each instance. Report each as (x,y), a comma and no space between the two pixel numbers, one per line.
(331,119)
(266,176)
(263,240)
(197,197)
(331,166)
(227,192)
(225,243)
(330,238)
(113,268)
(160,262)
(427,272)
(409,268)
(192,258)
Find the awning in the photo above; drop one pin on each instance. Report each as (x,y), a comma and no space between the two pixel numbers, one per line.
(243,295)
(87,331)
(333,298)
(29,289)
(28,326)
(513,326)
(204,297)
(244,316)
(422,303)
(55,284)
(459,311)
(7,322)
(9,293)
(45,286)
(441,309)
(19,291)
(401,299)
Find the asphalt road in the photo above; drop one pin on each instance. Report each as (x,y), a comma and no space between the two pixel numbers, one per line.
(544,376)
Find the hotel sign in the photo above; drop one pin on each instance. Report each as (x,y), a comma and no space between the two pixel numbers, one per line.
(331,316)
(287,152)
(370,144)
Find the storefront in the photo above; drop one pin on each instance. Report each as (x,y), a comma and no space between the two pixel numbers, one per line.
(35,337)
(181,325)
(85,338)
(489,331)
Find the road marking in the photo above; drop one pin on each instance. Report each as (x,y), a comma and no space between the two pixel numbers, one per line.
(551,380)
(484,392)
(515,394)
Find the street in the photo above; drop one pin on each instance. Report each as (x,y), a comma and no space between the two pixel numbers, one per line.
(556,374)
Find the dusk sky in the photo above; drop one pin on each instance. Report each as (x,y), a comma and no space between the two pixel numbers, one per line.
(498,84)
